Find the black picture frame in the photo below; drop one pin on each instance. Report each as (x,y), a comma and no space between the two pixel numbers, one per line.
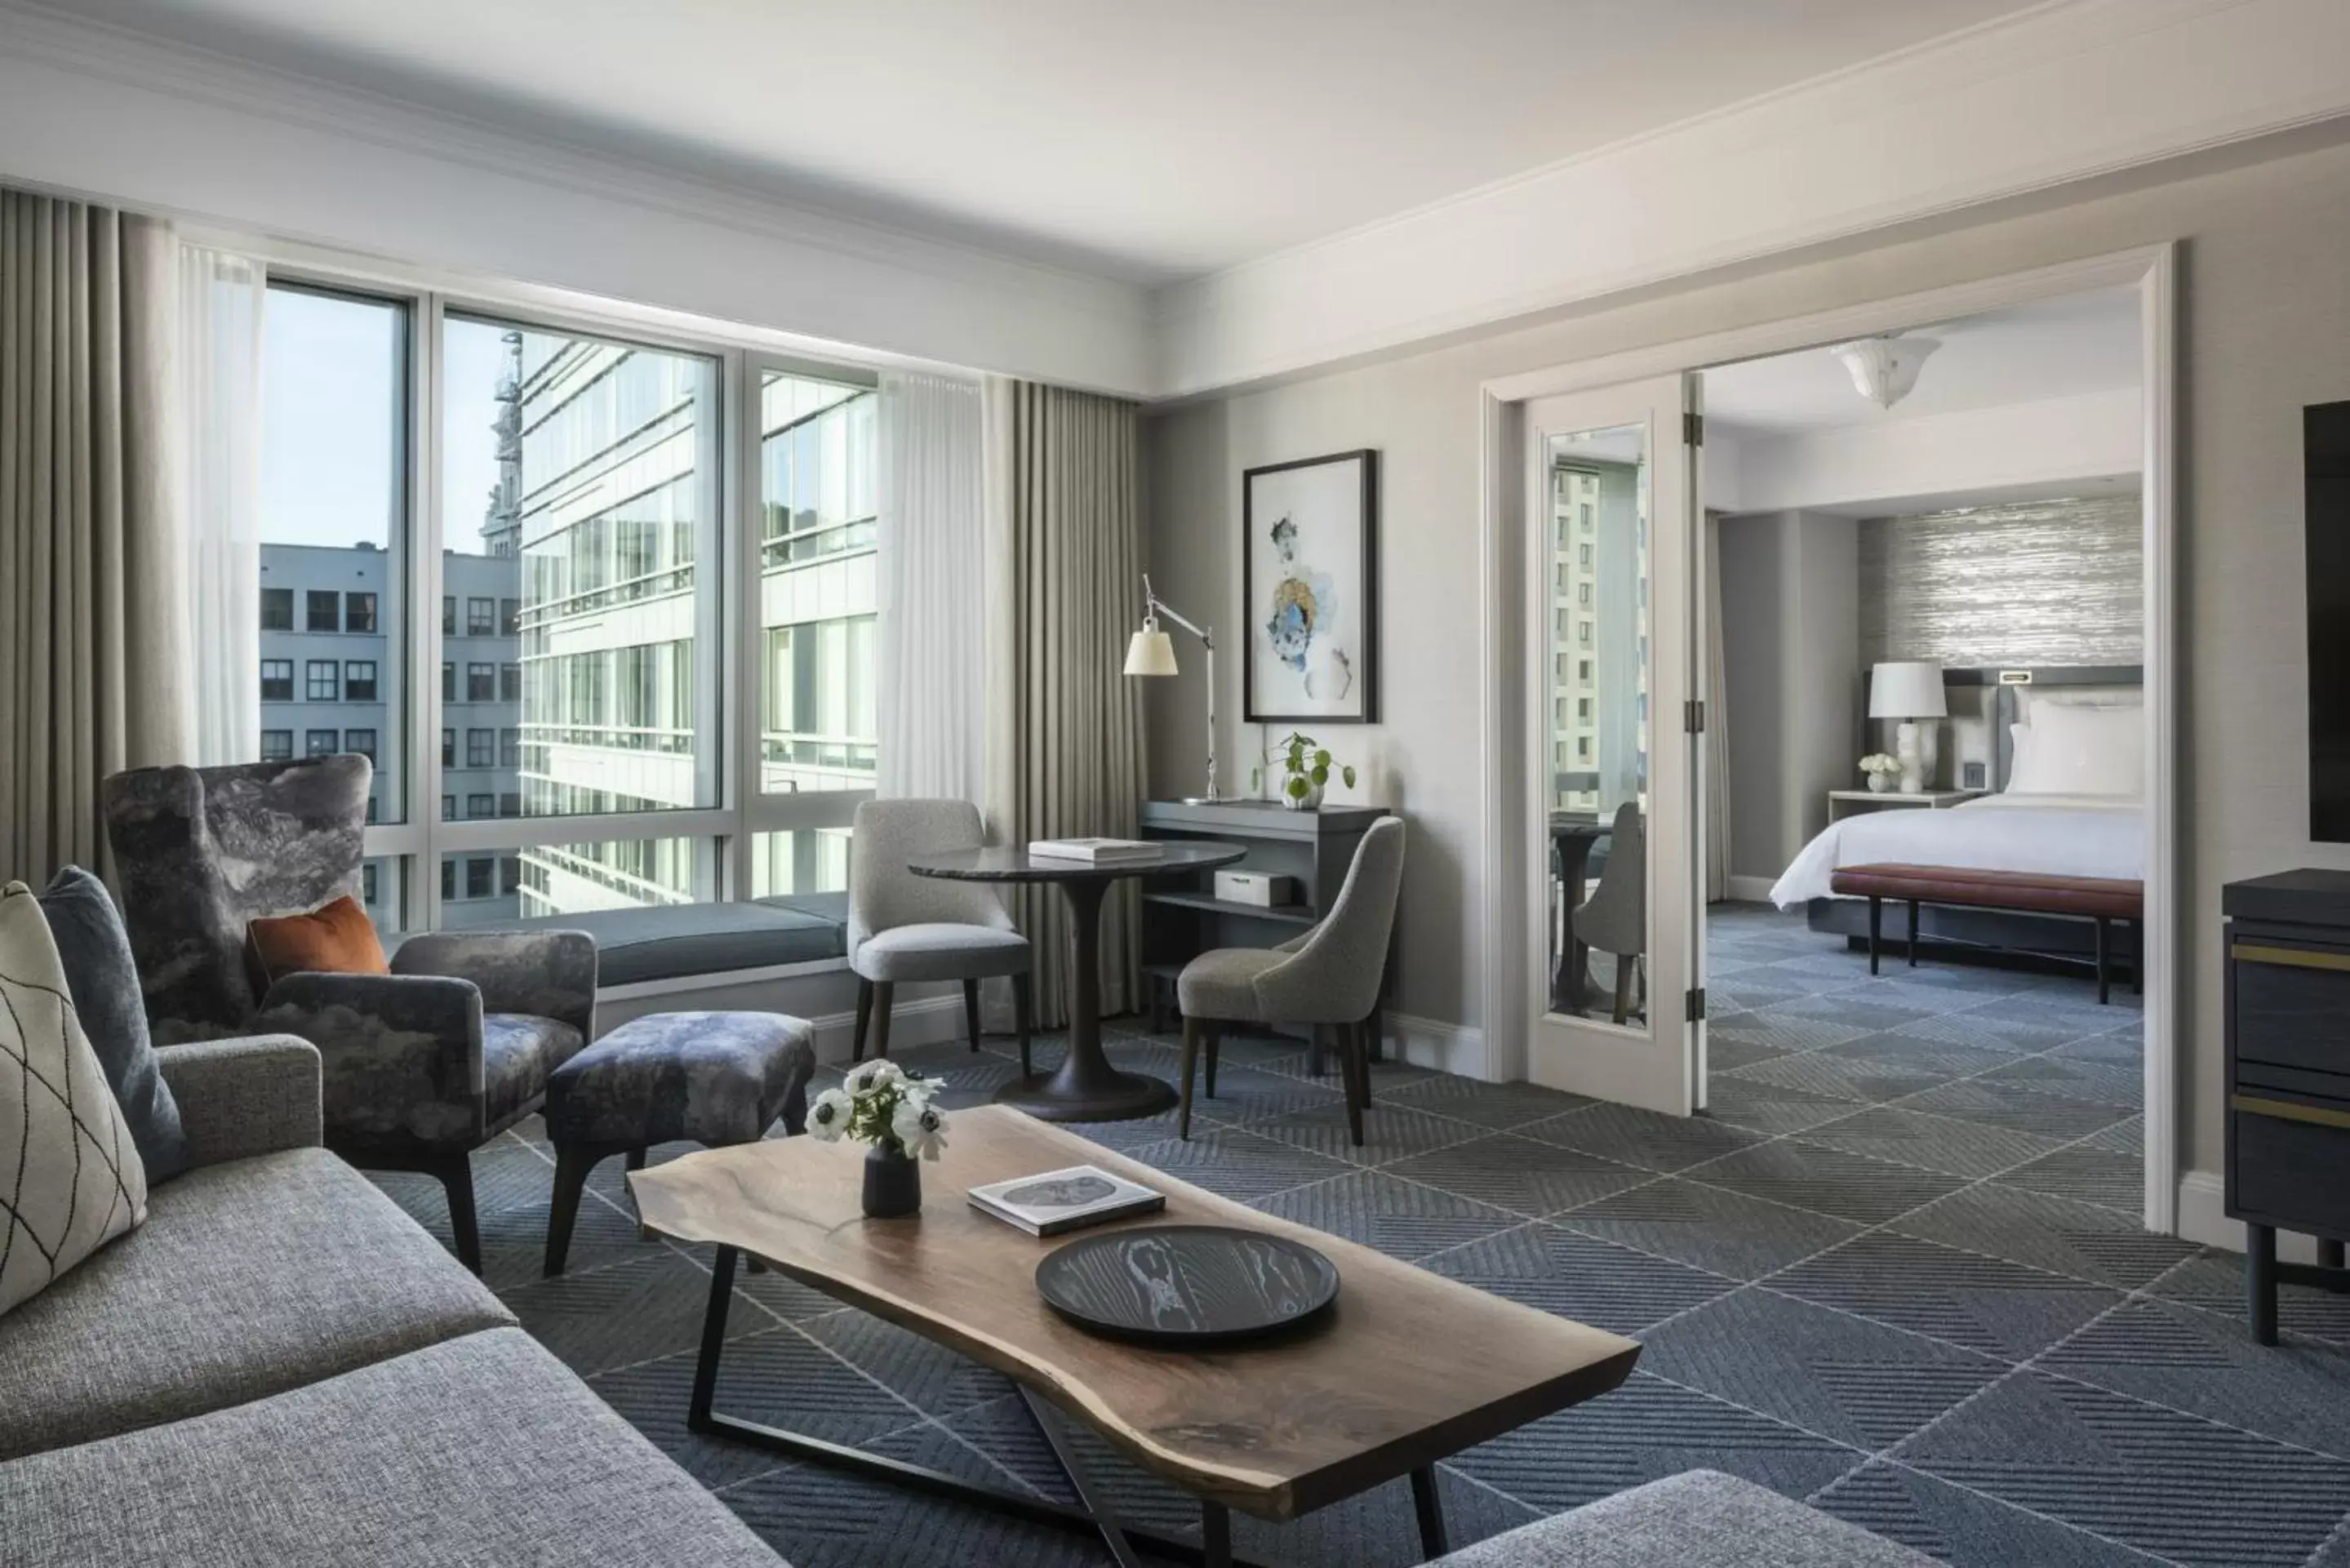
(1254,615)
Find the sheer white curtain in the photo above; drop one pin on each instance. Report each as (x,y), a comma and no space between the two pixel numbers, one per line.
(930,642)
(221,299)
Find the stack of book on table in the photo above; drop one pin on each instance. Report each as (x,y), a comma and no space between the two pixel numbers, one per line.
(1096,851)
(1058,1200)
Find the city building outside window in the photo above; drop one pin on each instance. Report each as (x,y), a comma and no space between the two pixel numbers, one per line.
(367,884)
(510,805)
(374,807)
(510,748)
(448,748)
(358,681)
(448,615)
(481,748)
(509,682)
(325,610)
(276,745)
(322,680)
(509,873)
(478,874)
(481,683)
(448,808)
(361,742)
(278,680)
(359,612)
(447,683)
(320,742)
(481,806)
(448,880)
(277,609)
(481,617)
(509,618)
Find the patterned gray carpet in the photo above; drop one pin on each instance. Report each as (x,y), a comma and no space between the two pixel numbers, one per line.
(1896,1272)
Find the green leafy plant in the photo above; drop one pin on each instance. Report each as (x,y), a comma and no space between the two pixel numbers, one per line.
(1307,767)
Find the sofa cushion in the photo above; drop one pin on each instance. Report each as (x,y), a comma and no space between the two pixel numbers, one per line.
(1698,1518)
(105,986)
(483,1449)
(70,1178)
(248,1278)
(682,940)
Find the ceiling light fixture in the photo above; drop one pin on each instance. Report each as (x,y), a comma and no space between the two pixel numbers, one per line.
(1885,369)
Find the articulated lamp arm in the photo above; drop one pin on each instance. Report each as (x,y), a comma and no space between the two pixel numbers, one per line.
(1152,608)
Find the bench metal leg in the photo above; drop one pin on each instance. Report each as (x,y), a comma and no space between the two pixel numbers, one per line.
(1913,933)
(2104,960)
(1876,929)
(1429,1507)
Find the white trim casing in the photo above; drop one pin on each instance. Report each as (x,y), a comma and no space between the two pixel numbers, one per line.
(2153,272)
(1457,1048)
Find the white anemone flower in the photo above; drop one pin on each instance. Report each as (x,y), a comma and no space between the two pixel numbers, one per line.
(828,1117)
(920,1128)
(868,1077)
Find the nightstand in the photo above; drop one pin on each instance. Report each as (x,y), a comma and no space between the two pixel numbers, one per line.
(1843,802)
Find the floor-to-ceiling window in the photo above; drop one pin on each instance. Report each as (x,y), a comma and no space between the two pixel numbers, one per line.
(577,707)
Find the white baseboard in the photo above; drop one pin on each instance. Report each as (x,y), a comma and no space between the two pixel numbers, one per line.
(1752,889)
(1432,1042)
(2203,1219)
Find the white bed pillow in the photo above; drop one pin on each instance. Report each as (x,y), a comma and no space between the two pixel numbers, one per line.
(2070,750)
(2031,701)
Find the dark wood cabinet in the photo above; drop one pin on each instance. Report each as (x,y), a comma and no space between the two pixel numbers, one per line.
(2288,1078)
(1182,920)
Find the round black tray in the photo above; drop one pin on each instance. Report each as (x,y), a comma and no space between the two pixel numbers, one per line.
(1187,1285)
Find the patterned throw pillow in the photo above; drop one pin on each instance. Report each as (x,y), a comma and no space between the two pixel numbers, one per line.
(70,1179)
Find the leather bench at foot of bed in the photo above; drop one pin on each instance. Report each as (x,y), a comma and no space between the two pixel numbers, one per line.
(2102,899)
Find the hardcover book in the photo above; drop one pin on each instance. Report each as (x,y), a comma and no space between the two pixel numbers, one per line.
(1096,849)
(1056,1201)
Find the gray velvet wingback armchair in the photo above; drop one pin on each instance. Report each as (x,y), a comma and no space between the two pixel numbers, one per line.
(1328,976)
(422,1066)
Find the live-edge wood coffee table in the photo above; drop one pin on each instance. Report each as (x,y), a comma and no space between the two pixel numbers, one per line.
(1407,1368)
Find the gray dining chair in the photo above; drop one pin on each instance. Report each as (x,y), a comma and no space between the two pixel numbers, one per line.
(1330,975)
(1615,919)
(905,927)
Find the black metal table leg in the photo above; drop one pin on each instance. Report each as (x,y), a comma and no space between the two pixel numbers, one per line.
(713,1340)
(2259,1282)
(1215,1536)
(1429,1507)
(1049,1422)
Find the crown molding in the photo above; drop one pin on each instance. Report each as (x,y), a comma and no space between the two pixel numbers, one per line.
(2065,92)
(93,109)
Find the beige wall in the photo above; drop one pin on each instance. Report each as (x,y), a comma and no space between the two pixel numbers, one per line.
(2266,308)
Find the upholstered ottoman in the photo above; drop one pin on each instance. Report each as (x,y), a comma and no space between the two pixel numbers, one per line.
(713,1078)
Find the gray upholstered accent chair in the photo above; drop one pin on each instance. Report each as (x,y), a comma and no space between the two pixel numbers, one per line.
(1328,976)
(906,927)
(422,1066)
(1615,919)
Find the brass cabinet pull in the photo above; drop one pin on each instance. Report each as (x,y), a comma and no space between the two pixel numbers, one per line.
(2291,957)
(2290,1111)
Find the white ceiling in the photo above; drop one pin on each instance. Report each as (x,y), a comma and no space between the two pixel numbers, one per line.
(2062,348)
(1146,142)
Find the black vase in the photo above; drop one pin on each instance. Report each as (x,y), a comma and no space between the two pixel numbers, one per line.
(893,1183)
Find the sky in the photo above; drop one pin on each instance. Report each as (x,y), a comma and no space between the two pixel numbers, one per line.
(331,421)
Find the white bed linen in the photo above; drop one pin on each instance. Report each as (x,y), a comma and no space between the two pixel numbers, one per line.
(2055,834)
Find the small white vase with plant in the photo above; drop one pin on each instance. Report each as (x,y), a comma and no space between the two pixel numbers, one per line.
(881,1105)
(1882,768)
(1305,769)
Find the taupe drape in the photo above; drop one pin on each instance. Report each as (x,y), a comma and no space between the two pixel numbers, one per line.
(93,657)
(1064,748)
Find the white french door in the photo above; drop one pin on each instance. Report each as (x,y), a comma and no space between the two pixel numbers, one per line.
(1613,566)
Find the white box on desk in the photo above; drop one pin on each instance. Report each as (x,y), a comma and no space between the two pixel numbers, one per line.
(1262,889)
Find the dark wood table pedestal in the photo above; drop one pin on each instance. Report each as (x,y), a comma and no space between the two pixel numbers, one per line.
(1572,836)
(1085,1087)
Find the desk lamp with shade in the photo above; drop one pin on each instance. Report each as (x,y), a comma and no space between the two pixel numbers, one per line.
(1909,690)
(1152,651)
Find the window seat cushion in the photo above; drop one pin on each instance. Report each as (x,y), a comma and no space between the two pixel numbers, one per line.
(681,940)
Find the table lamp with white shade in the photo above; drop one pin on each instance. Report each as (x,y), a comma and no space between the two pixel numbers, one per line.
(1152,651)
(1909,690)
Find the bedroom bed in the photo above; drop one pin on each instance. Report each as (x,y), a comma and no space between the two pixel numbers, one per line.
(2066,756)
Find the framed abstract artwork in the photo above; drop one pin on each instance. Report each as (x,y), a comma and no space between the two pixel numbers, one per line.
(1309,589)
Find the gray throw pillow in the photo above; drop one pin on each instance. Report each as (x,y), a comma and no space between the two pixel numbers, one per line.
(104,983)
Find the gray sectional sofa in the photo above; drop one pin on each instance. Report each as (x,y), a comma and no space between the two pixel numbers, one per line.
(282,1367)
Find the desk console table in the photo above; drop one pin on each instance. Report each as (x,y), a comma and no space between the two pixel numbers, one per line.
(2288,1018)
(1314,848)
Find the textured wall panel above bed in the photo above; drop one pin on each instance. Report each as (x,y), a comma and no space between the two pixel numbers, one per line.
(2034,583)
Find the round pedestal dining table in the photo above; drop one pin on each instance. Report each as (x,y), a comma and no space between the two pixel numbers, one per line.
(1085,1087)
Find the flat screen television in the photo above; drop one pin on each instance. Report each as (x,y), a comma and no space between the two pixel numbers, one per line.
(2325,518)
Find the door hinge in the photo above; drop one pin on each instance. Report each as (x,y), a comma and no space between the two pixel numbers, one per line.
(1693,717)
(1696,1007)
(1694,429)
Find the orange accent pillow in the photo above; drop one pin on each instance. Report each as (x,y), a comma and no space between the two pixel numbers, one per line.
(338,938)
